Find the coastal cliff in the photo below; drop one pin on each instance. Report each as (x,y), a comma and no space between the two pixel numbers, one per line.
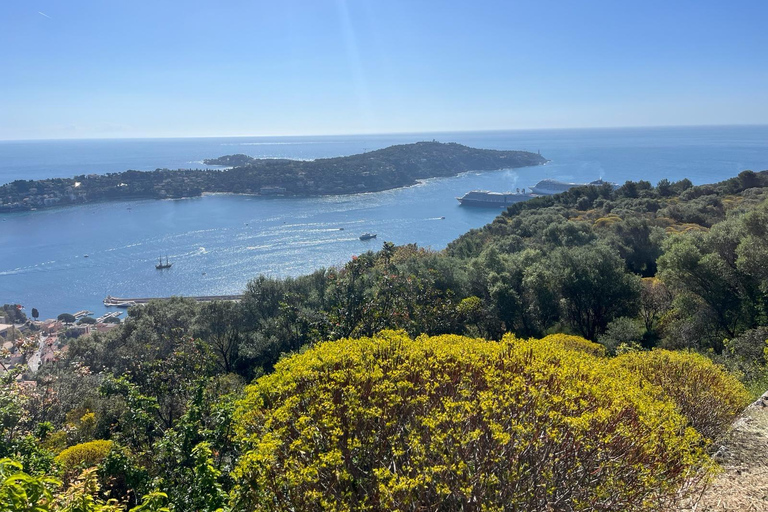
(392,167)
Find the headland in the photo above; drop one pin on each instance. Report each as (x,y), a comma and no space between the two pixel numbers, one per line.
(388,168)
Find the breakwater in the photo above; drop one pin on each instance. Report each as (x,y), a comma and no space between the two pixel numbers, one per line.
(122,301)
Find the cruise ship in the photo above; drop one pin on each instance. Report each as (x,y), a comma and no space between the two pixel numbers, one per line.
(488,199)
(550,187)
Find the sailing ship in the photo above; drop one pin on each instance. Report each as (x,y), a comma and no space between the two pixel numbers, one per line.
(161,266)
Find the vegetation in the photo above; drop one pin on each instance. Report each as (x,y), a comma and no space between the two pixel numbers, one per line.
(394,423)
(703,392)
(584,348)
(12,314)
(395,166)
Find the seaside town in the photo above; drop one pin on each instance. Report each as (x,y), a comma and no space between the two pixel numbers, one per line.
(29,343)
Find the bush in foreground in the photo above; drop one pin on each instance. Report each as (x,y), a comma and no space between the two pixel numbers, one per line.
(708,396)
(454,423)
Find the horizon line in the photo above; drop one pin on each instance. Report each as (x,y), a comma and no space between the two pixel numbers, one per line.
(585,128)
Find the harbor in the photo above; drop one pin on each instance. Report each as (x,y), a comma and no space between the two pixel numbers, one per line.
(111,301)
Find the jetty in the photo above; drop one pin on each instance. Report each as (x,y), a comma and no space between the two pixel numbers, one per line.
(106,317)
(121,301)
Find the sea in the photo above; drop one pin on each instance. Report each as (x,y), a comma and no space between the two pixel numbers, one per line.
(69,259)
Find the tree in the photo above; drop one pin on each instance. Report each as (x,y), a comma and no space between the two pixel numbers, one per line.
(13,314)
(220,324)
(67,318)
(35,313)
(655,299)
(621,331)
(594,288)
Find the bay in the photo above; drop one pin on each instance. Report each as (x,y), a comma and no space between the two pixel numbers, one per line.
(218,242)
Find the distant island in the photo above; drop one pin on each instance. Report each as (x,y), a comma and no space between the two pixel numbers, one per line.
(392,167)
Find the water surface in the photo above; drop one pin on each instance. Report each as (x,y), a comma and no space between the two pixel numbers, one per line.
(218,242)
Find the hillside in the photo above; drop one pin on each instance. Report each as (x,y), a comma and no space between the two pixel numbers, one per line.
(397,380)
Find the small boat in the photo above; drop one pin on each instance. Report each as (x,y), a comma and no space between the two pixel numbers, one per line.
(367,236)
(161,266)
(85,256)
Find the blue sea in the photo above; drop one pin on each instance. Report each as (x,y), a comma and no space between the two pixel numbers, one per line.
(217,243)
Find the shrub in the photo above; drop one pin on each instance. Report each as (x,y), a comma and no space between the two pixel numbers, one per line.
(575,343)
(83,455)
(708,396)
(454,423)
(24,492)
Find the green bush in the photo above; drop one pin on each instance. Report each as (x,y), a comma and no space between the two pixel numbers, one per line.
(84,455)
(453,423)
(708,396)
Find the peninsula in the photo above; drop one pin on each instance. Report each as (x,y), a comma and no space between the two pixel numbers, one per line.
(392,167)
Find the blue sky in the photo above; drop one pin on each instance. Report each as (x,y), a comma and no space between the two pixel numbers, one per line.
(167,68)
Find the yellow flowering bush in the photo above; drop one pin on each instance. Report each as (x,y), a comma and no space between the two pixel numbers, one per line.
(454,423)
(83,455)
(576,343)
(703,392)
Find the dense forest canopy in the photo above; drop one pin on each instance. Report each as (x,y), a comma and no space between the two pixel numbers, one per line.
(612,281)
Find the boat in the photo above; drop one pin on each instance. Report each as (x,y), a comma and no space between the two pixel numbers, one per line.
(161,266)
(486,199)
(367,236)
(550,187)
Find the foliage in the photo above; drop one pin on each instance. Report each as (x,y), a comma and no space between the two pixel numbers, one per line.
(162,384)
(448,422)
(719,278)
(13,314)
(622,331)
(20,492)
(595,288)
(67,318)
(197,455)
(703,392)
(84,455)
(573,343)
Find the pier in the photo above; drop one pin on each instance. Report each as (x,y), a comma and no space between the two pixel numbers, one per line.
(106,317)
(125,302)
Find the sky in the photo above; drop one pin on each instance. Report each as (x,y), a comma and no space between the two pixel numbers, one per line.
(168,68)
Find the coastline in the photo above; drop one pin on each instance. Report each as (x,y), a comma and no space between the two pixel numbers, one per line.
(388,169)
